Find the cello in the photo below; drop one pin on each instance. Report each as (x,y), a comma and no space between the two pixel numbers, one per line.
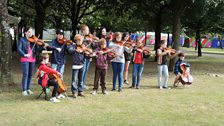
(186,77)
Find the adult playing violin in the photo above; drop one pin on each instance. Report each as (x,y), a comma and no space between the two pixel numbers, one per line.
(58,47)
(27,50)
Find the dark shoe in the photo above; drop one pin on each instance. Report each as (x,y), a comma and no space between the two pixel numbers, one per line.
(165,87)
(81,94)
(119,90)
(131,87)
(113,90)
(137,87)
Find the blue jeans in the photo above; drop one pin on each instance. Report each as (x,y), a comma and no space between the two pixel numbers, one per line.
(77,75)
(136,74)
(118,69)
(85,70)
(59,67)
(162,69)
(27,70)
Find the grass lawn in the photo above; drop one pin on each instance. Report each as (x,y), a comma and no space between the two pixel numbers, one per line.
(201,104)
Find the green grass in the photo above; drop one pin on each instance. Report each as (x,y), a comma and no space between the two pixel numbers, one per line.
(201,104)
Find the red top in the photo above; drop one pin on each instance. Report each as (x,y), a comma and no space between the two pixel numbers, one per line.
(138,58)
(45,71)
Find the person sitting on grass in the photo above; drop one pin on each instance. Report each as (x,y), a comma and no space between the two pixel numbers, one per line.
(43,76)
(178,71)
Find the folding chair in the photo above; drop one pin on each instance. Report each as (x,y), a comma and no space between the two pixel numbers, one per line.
(45,91)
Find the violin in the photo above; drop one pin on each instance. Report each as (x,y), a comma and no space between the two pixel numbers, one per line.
(110,52)
(90,38)
(129,43)
(62,41)
(186,77)
(69,42)
(83,48)
(34,39)
(119,43)
(172,51)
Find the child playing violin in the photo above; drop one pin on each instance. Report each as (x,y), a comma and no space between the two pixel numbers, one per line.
(58,47)
(162,54)
(138,63)
(177,70)
(43,76)
(88,41)
(77,52)
(102,58)
(118,61)
(27,50)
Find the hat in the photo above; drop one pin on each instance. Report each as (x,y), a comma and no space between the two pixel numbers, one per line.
(59,31)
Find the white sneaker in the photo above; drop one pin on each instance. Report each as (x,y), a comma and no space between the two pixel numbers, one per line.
(94,92)
(29,92)
(160,87)
(105,92)
(60,96)
(24,93)
(54,99)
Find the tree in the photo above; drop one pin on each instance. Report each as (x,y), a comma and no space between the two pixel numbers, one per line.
(40,7)
(204,16)
(78,9)
(5,44)
(178,7)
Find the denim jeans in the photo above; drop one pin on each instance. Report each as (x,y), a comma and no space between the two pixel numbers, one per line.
(27,70)
(85,70)
(118,69)
(162,69)
(59,67)
(77,75)
(136,74)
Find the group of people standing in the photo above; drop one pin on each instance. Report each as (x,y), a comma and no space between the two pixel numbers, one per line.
(117,49)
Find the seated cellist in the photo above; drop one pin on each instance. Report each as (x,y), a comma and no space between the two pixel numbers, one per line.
(177,70)
(43,78)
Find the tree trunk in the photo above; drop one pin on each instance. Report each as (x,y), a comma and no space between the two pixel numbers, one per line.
(58,21)
(168,39)
(198,41)
(157,33)
(74,26)
(176,37)
(5,44)
(39,23)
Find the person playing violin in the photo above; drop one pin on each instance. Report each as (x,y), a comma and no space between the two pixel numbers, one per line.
(88,41)
(58,47)
(43,76)
(127,56)
(118,61)
(162,63)
(177,68)
(27,50)
(102,58)
(138,63)
(76,50)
